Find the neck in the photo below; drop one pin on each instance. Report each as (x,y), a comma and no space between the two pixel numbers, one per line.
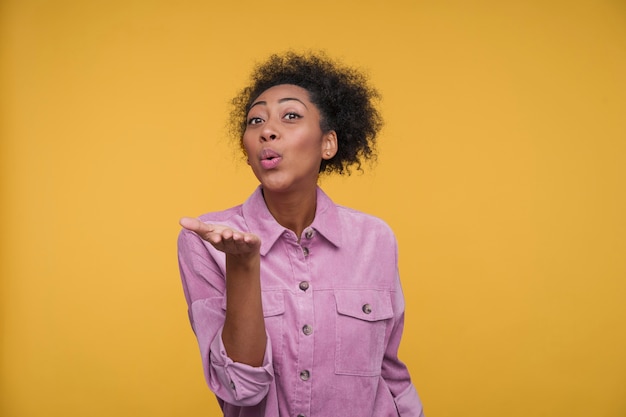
(295,210)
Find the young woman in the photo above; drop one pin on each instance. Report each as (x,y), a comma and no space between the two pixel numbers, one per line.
(296,301)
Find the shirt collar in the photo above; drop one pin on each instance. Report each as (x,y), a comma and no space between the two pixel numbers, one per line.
(261,222)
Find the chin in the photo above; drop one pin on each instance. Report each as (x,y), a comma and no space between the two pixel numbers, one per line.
(278,183)
(276,187)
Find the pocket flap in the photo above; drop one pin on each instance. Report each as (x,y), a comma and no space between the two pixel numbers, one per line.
(368,305)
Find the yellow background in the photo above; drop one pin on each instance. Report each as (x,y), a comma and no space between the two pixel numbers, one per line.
(502,170)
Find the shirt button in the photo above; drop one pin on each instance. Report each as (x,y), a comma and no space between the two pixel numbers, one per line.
(301,415)
(304,285)
(307,330)
(367,309)
(305,250)
(305,375)
(309,233)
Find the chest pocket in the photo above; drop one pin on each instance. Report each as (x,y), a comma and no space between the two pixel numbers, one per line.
(361,326)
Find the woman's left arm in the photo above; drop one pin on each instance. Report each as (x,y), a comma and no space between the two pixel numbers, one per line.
(394,371)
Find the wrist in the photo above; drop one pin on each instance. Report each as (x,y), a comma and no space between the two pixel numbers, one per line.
(245,261)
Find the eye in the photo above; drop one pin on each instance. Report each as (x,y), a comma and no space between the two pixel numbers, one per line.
(291,116)
(254,120)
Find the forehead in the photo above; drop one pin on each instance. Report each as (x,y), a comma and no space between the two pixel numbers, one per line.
(282,91)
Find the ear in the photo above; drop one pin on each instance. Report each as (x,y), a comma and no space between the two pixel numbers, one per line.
(329,145)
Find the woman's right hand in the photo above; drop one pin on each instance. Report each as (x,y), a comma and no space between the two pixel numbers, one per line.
(223,238)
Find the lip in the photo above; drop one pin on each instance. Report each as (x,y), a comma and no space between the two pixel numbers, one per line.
(270,158)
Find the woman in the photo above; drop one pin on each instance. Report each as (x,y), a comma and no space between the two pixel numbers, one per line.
(295,301)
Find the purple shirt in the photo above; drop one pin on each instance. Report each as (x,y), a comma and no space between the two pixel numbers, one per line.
(334,314)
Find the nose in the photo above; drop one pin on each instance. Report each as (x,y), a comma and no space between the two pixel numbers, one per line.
(269,132)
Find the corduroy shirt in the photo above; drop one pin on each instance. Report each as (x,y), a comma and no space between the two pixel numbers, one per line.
(334,314)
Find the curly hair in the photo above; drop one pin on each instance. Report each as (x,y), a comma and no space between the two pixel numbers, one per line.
(345,100)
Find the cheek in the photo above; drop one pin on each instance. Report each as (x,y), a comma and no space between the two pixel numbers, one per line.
(311,145)
(246,144)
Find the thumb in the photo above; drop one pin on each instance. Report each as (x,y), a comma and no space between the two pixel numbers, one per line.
(191,223)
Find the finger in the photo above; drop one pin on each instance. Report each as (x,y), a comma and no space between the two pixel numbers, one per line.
(232,241)
(192,224)
(250,239)
(227,234)
(249,242)
(241,244)
(208,232)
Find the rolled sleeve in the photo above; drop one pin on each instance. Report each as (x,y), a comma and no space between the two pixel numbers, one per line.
(235,383)
(409,404)
(238,383)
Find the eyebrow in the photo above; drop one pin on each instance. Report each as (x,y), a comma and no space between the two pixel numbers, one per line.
(282,100)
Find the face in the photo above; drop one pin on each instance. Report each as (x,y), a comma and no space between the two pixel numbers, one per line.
(284,141)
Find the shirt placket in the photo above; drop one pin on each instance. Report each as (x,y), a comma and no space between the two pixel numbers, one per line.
(305,325)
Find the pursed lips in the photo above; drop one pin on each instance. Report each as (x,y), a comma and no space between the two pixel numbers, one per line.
(270,158)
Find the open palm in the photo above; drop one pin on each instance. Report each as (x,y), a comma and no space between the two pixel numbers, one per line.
(223,238)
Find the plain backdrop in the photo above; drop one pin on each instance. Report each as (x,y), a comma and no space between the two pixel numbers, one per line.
(501,168)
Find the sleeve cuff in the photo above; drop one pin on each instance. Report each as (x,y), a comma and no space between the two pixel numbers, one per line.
(242,384)
(409,404)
